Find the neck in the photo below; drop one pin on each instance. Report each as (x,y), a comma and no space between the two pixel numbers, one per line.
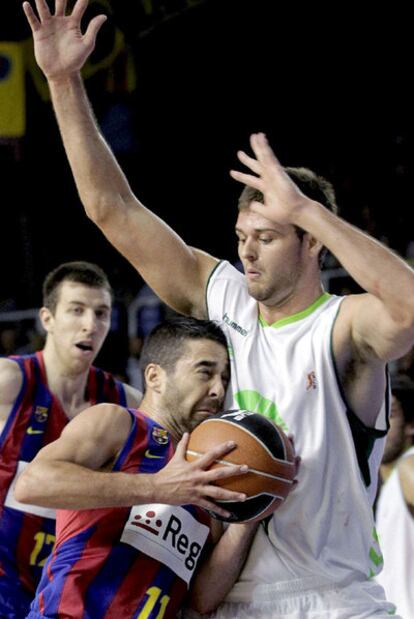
(152,408)
(291,304)
(67,384)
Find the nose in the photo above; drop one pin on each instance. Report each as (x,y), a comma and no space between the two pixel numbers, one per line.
(248,250)
(217,389)
(89,322)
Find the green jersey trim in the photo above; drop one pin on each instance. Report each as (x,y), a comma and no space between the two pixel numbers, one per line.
(299,315)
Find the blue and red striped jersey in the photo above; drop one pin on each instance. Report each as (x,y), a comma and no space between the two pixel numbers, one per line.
(27,533)
(124,562)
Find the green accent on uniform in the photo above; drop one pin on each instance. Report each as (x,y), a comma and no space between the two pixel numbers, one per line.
(295,317)
(251,400)
(371,574)
(375,535)
(376,558)
(230,350)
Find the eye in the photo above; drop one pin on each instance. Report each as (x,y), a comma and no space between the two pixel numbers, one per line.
(265,239)
(76,310)
(102,314)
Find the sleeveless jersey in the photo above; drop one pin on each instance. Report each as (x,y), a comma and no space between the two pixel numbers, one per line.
(124,562)
(396,532)
(324,532)
(27,533)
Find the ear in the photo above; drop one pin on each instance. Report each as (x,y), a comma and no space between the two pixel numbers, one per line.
(46,318)
(314,246)
(154,377)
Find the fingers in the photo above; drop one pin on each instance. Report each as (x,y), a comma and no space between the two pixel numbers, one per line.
(262,150)
(42,10)
(214,454)
(34,23)
(182,445)
(60,8)
(93,29)
(249,162)
(79,9)
(247,179)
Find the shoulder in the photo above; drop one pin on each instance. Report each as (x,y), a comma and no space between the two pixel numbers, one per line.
(11,380)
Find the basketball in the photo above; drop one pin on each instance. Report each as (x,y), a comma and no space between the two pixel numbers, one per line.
(263,446)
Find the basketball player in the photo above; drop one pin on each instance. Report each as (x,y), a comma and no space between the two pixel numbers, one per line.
(395,507)
(127,540)
(39,393)
(316,363)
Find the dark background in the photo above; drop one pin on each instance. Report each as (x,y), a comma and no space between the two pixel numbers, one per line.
(330,87)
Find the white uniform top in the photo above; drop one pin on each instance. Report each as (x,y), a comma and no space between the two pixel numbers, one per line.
(395,527)
(324,533)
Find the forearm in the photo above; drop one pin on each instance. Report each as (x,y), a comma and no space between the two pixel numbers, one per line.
(64,485)
(372,265)
(99,179)
(220,570)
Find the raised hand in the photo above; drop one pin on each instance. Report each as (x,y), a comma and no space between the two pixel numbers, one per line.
(182,482)
(60,47)
(282,198)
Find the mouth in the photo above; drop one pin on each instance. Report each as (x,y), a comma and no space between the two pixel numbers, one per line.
(84,346)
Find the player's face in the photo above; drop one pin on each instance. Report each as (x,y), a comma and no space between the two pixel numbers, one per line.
(273,257)
(195,389)
(79,325)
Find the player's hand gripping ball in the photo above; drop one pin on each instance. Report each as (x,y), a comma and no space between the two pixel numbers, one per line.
(263,446)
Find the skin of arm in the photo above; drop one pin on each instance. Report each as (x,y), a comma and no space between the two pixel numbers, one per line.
(61,50)
(406,474)
(73,472)
(11,381)
(371,328)
(221,568)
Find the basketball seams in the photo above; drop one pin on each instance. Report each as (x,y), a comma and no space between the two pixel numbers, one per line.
(256,438)
(251,470)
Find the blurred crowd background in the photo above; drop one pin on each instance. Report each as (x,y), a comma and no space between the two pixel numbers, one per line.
(177,87)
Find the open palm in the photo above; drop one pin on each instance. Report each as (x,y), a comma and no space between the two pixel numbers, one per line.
(60,46)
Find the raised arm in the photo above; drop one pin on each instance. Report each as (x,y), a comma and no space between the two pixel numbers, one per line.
(74,471)
(176,272)
(380,323)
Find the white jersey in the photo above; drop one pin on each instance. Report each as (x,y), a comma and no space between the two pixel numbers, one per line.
(324,533)
(395,527)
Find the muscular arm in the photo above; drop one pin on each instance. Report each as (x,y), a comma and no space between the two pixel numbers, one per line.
(176,272)
(11,381)
(221,568)
(73,472)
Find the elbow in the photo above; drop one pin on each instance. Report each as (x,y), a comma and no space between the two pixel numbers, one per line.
(25,488)
(203,605)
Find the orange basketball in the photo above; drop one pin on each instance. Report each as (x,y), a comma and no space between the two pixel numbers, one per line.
(263,446)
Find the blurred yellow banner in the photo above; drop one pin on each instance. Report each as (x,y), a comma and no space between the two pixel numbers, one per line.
(12,90)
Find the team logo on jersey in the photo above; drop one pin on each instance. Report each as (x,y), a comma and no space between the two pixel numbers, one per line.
(160,436)
(147,522)
(234,325)
(41,414)
(311,382)
(168,533)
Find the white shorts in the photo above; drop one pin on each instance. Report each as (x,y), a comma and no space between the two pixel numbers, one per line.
(358,600)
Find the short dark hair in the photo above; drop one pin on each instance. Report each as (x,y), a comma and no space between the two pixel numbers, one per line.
(165,342)
(80,272)
(313,186)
